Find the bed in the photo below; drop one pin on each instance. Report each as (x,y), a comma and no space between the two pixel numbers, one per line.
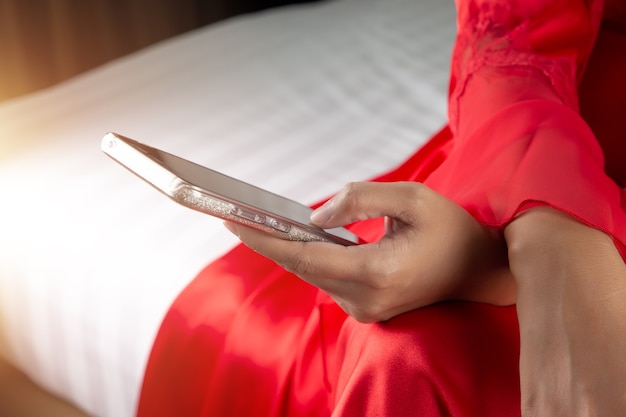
(298,100)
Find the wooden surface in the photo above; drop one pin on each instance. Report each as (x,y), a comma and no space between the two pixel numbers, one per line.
(43,42)
(20,397)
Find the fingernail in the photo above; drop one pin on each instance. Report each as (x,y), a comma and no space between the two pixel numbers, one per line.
(322,214)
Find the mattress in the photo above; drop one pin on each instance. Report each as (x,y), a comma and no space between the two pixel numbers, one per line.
(298,100)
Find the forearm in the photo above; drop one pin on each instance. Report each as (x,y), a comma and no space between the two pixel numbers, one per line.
(571,303)
(557,261)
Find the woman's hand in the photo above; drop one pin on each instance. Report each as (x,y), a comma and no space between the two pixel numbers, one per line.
(433,250)
(571,303)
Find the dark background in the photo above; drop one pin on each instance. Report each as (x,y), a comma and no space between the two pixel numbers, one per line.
(43,42)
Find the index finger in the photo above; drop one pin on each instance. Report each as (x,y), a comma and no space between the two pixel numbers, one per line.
(318,263)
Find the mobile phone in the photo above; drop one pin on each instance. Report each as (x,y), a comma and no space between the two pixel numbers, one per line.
(219,195)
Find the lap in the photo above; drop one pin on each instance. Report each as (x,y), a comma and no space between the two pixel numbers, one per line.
(247,336)
(452,358)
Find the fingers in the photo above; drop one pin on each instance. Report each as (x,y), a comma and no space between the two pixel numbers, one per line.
(361,201)
(408,268)
(330,266)
(309,260)
(354,276)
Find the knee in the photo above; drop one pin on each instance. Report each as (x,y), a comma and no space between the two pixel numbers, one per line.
(439,356)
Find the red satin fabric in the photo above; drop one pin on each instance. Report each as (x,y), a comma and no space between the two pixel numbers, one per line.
(246,338)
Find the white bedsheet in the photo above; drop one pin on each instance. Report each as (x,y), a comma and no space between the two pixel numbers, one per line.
(298,100)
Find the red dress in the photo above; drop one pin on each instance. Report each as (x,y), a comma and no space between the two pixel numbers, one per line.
(246,338)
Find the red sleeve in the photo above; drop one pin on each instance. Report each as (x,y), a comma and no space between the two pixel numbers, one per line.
(519,140)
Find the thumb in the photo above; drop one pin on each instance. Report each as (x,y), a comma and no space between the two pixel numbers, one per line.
(368,200)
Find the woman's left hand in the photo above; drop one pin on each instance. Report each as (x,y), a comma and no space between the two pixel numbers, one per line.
(433,250)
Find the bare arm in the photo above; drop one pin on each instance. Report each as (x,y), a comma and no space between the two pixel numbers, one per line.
(571,302)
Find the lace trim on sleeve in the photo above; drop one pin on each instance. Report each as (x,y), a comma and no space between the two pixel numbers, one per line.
(499,35)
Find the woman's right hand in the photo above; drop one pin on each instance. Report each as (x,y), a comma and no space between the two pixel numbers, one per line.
(433,250)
